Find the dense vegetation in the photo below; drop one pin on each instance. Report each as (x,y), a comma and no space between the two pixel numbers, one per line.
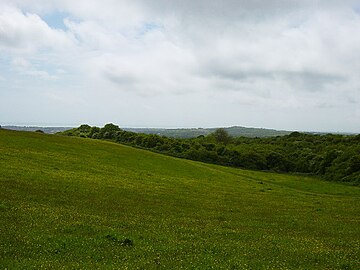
(333,157)
(73,203)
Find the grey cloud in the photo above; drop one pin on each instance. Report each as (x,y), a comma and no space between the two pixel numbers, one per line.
(310,81)
(219,12)
(120,79)
(230,73)
(355,100)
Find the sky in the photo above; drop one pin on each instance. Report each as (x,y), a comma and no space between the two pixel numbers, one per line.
(282,64)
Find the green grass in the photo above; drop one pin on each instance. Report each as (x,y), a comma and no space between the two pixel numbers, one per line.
(76,203)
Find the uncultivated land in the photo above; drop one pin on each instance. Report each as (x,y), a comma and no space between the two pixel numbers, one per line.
(77,203)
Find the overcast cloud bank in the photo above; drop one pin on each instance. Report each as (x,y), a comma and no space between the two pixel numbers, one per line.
(278,64)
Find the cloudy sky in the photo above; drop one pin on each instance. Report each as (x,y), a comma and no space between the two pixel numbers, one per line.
(280,64)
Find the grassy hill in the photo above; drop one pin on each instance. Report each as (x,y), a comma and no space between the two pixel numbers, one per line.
(81,203)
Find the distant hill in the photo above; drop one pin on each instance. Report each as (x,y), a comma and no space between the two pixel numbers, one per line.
(234,131)
(185,133)
(49,130)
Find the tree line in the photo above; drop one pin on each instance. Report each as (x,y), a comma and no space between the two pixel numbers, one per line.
(332,157)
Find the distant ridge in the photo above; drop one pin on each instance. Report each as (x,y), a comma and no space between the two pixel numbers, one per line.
(49,130)
(184,133)
(235,131)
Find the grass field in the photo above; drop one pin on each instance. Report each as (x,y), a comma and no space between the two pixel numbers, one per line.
(76,203)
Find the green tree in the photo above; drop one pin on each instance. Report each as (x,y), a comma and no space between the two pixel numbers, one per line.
(354,164)
(111,128)
(84,128)
(109,131)
(221,136)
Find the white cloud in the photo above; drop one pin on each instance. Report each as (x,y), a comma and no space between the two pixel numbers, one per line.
(24,67)
(20,63)
(27,32)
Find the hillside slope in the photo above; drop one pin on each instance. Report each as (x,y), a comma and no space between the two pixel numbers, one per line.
(80,203)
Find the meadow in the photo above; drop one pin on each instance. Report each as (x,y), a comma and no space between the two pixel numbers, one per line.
(79,203)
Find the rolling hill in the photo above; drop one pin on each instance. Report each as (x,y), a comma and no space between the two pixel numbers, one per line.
(49,130)
(235,131)
(68,202)
(186,133)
